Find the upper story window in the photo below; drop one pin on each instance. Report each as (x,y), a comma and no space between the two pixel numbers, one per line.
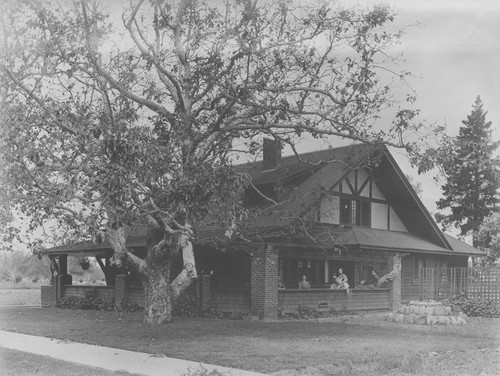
(355,212)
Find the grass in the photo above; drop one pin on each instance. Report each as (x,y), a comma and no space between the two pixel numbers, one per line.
(330,348)
(21,296)
(24,284)
(15,363)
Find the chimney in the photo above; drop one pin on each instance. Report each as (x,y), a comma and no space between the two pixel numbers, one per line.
(271,154)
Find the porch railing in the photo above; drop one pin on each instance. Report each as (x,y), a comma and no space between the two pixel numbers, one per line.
(476,283)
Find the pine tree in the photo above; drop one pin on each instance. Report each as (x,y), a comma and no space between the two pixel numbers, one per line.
(471,175)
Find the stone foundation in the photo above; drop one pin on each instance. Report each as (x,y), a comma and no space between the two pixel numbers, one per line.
(426,313)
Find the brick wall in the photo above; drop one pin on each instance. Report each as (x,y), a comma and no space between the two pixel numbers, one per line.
(264,282)
(325,300)
(48,298)
(106,293)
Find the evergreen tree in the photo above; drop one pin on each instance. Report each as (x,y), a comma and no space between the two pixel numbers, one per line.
(471,174)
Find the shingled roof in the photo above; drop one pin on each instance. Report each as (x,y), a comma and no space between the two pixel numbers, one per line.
(323,169)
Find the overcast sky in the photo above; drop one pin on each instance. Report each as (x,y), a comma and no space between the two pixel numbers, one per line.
(455,52)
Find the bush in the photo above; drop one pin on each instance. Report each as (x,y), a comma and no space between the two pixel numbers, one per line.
(475,307)
(90,301)
(186,307)
(127,306)
(236,316)
(18,278)
(307,313)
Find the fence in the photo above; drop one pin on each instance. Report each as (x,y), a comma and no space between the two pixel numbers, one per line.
(476,283)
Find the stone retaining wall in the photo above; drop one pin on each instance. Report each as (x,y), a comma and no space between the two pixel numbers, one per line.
(426,313)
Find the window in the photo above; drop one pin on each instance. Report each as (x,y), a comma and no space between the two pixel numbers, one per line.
(418,264)
(355,212)
(292,270)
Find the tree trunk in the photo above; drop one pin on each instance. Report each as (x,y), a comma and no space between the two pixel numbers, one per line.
(158,296)
(159,293)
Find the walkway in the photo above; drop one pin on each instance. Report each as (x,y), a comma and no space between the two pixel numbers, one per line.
(109,358)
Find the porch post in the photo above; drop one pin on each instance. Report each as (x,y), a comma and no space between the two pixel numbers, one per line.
(394,265)
(63,270)
(59,286)
(204,292)
(264,282)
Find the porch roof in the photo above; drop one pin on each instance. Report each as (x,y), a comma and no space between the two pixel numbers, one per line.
(368,238)
(136,238)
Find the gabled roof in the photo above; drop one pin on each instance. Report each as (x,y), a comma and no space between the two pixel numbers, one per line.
(324,169)
(292,166)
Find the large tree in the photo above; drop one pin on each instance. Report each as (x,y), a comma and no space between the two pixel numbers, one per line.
(103,131)
(489,236)
(471,174)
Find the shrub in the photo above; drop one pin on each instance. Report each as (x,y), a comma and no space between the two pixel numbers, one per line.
(475,307)
(18,278)
(127,306)
(90,301)
(307,313)
(186,306)
(236,316)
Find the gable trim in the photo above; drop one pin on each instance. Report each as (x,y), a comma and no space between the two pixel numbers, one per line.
(367,180)
(417,200)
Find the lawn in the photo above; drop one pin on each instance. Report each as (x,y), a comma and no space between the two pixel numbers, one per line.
(15,363)
(362,345)
(20,296)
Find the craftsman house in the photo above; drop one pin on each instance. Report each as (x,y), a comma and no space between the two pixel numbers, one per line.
(348,208)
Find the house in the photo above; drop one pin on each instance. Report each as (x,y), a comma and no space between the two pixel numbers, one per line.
(348,208)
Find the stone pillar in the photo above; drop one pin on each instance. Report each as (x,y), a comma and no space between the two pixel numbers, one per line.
(394,264)
(264,282)
(204,292)
(120,289)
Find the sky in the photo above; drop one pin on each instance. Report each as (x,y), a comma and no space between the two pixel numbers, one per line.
(453,49)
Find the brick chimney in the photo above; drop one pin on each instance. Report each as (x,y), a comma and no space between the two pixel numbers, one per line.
(271,154)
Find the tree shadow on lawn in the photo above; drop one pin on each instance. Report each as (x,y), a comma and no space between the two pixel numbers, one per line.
(252,345)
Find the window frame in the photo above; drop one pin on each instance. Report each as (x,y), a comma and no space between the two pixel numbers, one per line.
(359,207)
(416,267)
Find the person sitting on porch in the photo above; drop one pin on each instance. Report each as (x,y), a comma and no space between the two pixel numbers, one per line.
(281,285)
(304,284)
(341,280)
(372,281)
